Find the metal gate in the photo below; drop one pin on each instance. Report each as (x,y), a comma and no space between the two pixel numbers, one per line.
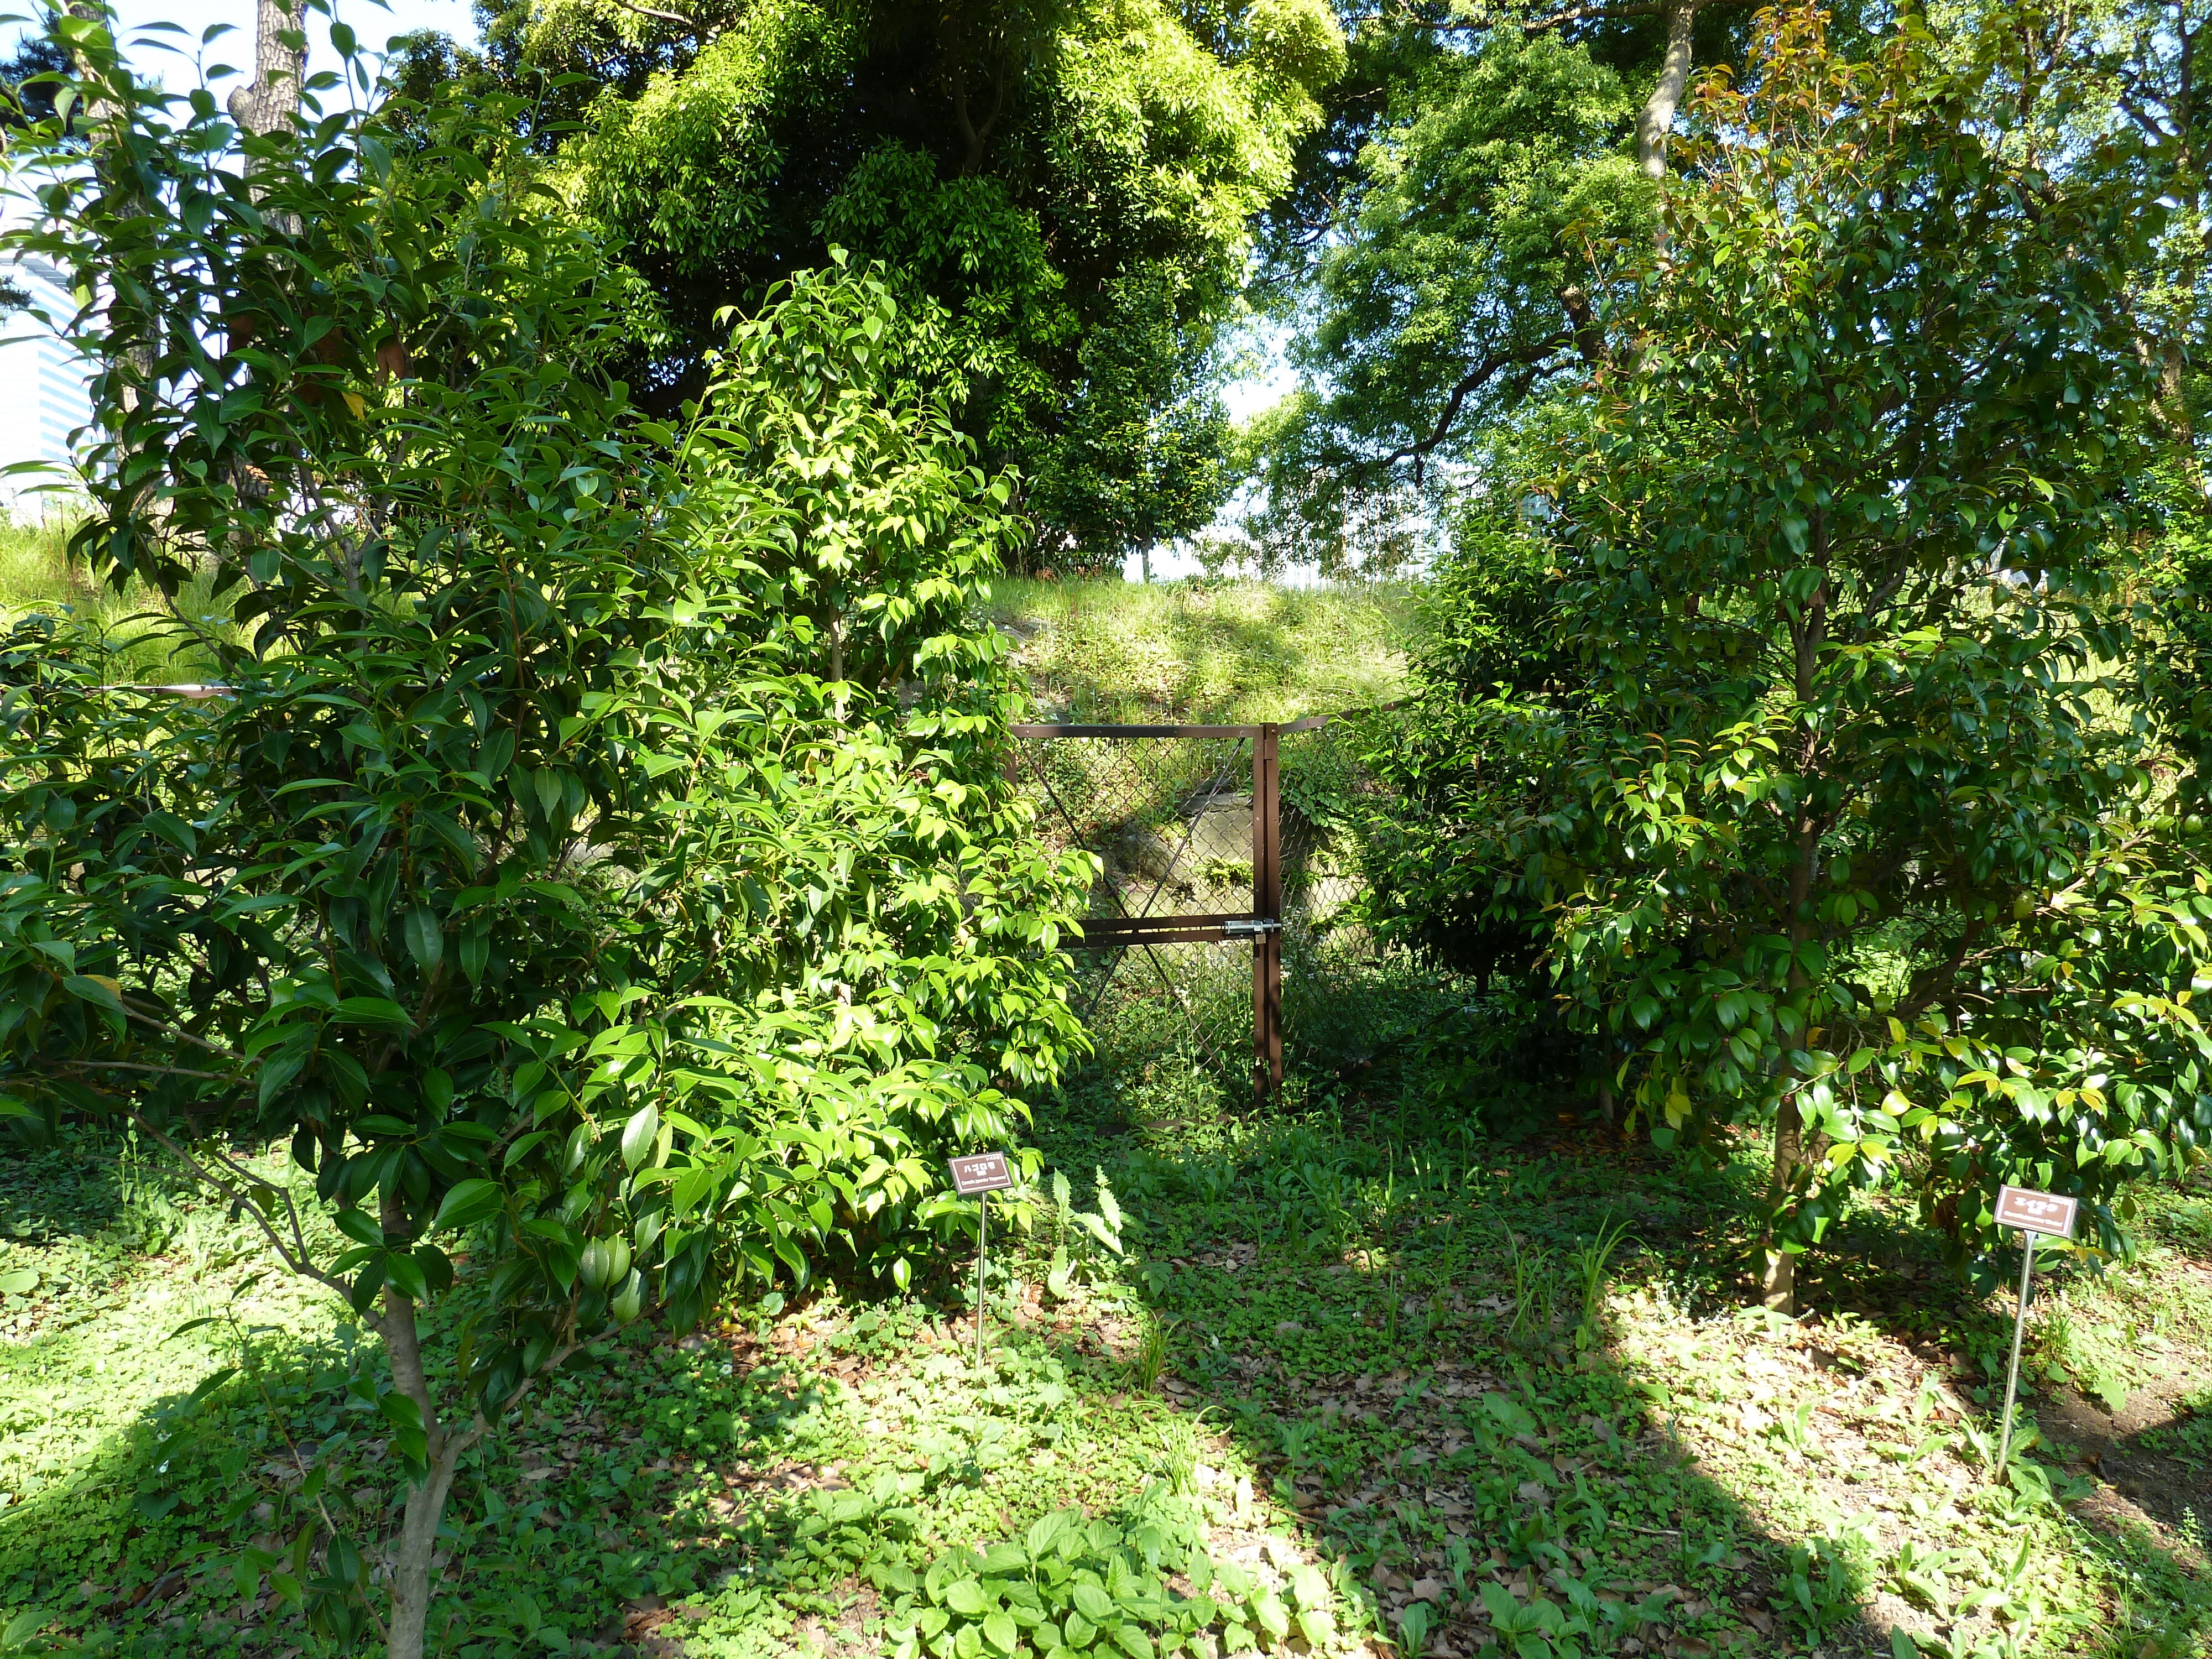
(1163,807)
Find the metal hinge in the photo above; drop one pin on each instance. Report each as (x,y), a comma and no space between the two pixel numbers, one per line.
(1251,927)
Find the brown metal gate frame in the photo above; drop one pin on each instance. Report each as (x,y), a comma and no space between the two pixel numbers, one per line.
(1264,927)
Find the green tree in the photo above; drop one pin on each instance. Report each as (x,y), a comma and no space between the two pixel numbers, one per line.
(1061,192)
(1433,251)
(596,850)
(1860,832)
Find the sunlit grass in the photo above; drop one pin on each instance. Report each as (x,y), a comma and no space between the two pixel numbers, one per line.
(1108,650)
(37,576)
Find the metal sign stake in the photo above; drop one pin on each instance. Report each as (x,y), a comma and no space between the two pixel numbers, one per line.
(982,1234)
(2012,1371)
(2037,1215)
(980,1175)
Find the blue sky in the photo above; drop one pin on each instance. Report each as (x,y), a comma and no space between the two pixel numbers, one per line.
(374,24)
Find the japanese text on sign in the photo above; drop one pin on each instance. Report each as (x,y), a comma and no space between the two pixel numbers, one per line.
(985,1172)
(2036,1213)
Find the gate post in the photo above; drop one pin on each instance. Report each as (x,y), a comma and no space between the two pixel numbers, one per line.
(1267,910)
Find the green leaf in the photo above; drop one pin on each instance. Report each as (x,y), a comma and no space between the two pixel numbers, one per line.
(1093,1603)
(965,1597)
(1001,1632)
(155,1505)
(426,940)
(21,1281)
(468,1203)
(357,1225)
(381,1013)
(23,1626)
(637,1135)
(95,988)
(1078,1631)
(1272,1616)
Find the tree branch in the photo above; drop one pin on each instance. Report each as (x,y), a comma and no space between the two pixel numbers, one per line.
(242,1201)
(658,15)
(1595,14)
(1532,357)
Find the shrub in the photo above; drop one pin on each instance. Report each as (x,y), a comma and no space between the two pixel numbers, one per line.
(597,852)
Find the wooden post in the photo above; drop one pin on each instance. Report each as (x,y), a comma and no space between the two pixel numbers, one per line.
(1267,907)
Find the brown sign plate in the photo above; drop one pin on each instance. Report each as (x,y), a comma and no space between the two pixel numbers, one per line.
(984,1172)
(2036,1213)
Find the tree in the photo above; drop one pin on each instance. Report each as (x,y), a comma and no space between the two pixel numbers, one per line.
(1861,833)
(1061,193)
(1433,248)
(597,853)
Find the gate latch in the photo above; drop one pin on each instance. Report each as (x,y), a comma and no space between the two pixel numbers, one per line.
(1250,927)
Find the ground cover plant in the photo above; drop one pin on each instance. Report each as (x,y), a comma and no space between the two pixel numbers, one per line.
(1367,1367)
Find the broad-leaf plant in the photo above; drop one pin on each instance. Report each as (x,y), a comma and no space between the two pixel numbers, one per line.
(1841,811)
(584,852)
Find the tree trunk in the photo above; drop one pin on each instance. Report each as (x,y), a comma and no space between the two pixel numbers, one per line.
(426,1503)
(1778,1276)
(2171,409)
(1658,112)
(271,99)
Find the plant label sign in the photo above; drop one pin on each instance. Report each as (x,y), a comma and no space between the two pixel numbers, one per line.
(981,1173)
(2037,1213)
(985,1172)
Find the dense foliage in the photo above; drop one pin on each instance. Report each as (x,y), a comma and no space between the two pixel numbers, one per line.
(597,849)
(1856,823)
(1432,250)
(1061,194)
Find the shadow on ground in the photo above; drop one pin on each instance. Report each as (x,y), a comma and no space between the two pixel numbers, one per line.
(1346,1343)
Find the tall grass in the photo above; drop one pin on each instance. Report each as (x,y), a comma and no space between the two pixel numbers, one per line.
(137,624)
(1109,651)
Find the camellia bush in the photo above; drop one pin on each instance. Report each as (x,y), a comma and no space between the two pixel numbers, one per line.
(1856,822)
(587,853)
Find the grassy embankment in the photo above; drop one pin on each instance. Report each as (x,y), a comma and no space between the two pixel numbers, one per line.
(1357,1332)
(1215,652)
(137,624)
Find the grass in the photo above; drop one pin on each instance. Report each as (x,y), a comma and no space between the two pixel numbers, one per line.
(1107,651)
(1441,1386)
(37,577)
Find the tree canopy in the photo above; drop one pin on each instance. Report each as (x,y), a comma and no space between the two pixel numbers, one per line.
(1834,794)
(1062,194)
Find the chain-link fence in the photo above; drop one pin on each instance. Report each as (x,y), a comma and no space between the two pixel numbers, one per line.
(1224,857)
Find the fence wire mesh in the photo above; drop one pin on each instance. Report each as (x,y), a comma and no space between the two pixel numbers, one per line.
(1169,818)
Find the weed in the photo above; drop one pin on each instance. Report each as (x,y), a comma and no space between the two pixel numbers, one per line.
(1793,1430)
(1151,1352)
(1591,1262)
(1533,1291)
